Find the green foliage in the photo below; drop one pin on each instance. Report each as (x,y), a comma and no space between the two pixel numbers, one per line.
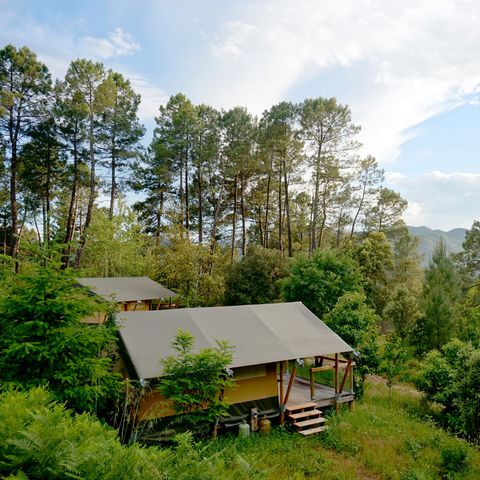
(43,341)
(440,301)
(319,281)
(193,271)
(392,362)
(450,377)
(454,463)
(356,323)
(402,311)
(195,382)
(255,279)
(115,246)
(376,260)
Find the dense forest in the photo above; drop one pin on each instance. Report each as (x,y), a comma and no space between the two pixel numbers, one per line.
(224,208)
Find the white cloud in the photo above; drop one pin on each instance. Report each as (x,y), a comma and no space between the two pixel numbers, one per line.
(117,44)
(152,96)
(437,199)
(422,58)
(231,45)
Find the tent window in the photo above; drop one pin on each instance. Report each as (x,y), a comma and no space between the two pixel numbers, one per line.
(254,371)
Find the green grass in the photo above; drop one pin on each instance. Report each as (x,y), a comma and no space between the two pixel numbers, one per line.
(373,441)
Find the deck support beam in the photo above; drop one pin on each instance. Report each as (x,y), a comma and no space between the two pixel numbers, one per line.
(290,384)
(337,404)
(282,406)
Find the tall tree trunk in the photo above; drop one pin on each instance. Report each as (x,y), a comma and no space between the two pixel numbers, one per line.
(280,209)
(267,206)
(313,226)
(242,210)
(113,189)
(91,196)
(71,209)
(13,201)
(360,205)
(216,216)
(324,213)
(200,203)
(287,210)
(187,196)
(260,226)
(234,219)
(159,220)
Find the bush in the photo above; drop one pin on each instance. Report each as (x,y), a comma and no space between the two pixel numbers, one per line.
(44,342)
(195,382)
(319,281)
(255,279)
(454,461)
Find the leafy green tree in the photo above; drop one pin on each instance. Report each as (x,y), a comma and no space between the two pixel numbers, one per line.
(440,301)
(469,257)
(329,135)
(84,78)
(239,131)
(392,363)
(174,141)
(402,311)
(376,260)
(42,173)
(116,247)
(444,378)
(469,399)
(356,323)
(121,130)
(367,179)
(195,382)
(43,341)
(24,84)
(255,278)
(195,272)
(319,281)
(386,213)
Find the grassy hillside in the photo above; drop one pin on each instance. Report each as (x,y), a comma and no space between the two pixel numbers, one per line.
(40,439)
(429,238)
(374,441)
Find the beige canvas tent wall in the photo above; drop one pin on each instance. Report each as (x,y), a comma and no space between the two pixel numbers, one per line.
(263,337)
(131,293)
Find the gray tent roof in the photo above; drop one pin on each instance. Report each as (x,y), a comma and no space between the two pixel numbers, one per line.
(259,333)
(126,289)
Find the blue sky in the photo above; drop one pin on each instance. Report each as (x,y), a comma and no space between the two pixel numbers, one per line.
(410,72)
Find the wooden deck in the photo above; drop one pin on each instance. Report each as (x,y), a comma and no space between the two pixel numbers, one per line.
(324,396)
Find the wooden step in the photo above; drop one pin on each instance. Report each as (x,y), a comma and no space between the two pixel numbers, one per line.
(307,413)
(308,423)
(312,431)
(301,406)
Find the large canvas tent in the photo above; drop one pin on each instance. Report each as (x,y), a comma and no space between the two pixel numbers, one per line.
(263,337)
(131,293)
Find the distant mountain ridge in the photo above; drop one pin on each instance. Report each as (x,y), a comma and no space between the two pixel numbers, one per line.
(429,238)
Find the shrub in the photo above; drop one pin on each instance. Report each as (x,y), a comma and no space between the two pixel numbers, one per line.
(195,382)
(454,461)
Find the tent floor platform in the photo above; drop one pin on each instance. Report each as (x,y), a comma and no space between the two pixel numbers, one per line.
(324,395)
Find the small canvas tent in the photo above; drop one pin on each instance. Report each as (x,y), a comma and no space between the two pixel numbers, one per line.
(132,293)
(263,337)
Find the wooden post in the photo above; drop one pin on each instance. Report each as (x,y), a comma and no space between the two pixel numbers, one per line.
(337,405)
(312,384)
(290,383)
(351,404)
(282,406)
(345,375)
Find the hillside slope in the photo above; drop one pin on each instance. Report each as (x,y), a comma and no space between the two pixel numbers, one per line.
(429,238)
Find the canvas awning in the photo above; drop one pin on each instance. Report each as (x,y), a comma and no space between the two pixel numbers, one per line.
(126,289)
(259,334)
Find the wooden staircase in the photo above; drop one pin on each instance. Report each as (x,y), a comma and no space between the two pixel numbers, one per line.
(306,419)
